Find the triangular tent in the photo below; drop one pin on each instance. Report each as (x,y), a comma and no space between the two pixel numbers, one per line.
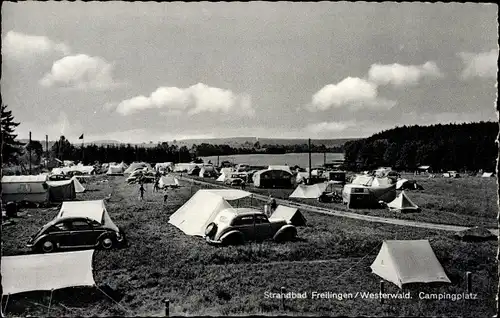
(402,204)
(487,174)
(289,214)
(194,216)
(168,181)
(404,262)
(61,190)
(78,186)
(221,178)
(309,191)
(399,183)
(37,272)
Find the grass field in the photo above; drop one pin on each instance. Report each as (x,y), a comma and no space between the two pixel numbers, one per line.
(469,201)
(332,254)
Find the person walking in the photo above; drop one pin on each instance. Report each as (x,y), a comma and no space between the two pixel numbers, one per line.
(165,197)
(142,190)
(272,205)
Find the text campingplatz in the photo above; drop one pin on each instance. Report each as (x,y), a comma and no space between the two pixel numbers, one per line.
(316,295)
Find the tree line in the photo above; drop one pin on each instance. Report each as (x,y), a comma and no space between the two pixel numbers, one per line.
(462,147)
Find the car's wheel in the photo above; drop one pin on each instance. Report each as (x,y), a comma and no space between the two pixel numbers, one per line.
(211,229)
(47,246)
(287,235)
(106,242)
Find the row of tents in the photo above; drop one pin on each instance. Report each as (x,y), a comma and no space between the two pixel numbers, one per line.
(39,189)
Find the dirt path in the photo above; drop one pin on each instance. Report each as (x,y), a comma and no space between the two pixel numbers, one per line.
(310,208)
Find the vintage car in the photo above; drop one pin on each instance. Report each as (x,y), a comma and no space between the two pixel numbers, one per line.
(76,233)
(236,226)
(234,181)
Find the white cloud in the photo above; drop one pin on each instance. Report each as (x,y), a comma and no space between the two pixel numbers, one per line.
(195,99)
(80,72)
(480,64)
(352,92)
(329,127)
(23,46)
(402,75)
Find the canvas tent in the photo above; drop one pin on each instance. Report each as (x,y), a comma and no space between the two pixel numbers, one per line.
(364,196)
(309,191)
(165,166)
(404,184)
(168,181)
(194,216)
(382,171)
(115,170)
(411,261)
(289,214)
(25,188)
(138,165)
(95,210)
(475,234)
(207,171)
(402,204)
(272,178)
(184,167)
(487,174)
(280,167)
(224,174)
(61,190)
(78,186)
(44,272)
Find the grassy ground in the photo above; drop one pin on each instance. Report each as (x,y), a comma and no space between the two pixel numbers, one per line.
(332,254)
(469,201)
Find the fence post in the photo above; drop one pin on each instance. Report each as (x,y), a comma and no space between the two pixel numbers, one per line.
(468,278)
(167,307)
(382,291)
(283,291)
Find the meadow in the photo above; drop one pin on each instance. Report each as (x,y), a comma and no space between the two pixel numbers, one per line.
(332,254)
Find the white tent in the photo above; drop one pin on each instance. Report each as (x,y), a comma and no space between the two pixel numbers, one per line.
(138,165)
(487,175)
(230,194)
(194,216)
(289,214)
(115,170)
(224,174)
(302,176)
(402,204)
(400,183)
(164,166)
(41,272)
(95,210)
(168,181)
(403,262)
(309,191)
(280,167)
(78,186)
(25,188)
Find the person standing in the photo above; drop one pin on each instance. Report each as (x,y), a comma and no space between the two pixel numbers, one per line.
(165,197)
(142,190)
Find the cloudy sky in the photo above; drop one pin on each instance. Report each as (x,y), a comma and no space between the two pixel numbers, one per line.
(138,72)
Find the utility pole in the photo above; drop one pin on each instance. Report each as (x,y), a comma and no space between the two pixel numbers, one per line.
(324,159)
(310,168)
(30,152)
(217,160)
(46,151)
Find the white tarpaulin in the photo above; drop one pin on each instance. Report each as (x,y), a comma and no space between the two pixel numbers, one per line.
(309,191)
(36,272)
(230,194)
(90,209)
(194,216)
(403,262)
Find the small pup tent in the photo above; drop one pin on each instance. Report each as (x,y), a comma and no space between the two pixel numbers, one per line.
(95,210)
(411,261)
(25,188)
(78,186)
(194,216)
(61,190)
(46,272)
(168,181)
(402,204)
(309,191)
(289,214)
(475,234)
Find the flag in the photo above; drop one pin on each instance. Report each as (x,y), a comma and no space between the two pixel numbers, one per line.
(81,137)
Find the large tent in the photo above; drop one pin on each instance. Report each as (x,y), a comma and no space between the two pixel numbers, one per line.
(194,216)
(185,167)
(61,190)
(411,261)
(280,167)
(309,191)
(364,196)
(225,173)
(272,178)
(115,170)
(168,181)
(289,214)
(95,210)
(138,165)
(25,188)
(165,166)
(46,272)
(402,204)
(207,172)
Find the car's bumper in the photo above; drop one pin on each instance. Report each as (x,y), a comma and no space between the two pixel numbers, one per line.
(212,242)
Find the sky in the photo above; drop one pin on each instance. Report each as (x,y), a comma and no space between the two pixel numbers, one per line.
(141,72)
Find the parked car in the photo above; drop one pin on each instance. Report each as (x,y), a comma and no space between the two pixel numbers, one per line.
(76,233)
(233,228)
(234,181)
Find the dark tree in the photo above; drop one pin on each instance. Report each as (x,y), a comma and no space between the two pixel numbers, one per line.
(11,148)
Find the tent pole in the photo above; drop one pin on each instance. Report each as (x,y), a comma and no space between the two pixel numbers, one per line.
(50,301)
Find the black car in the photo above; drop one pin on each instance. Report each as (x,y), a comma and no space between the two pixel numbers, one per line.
(76,233)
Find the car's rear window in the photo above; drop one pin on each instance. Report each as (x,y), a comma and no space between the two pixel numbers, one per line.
(243,220)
